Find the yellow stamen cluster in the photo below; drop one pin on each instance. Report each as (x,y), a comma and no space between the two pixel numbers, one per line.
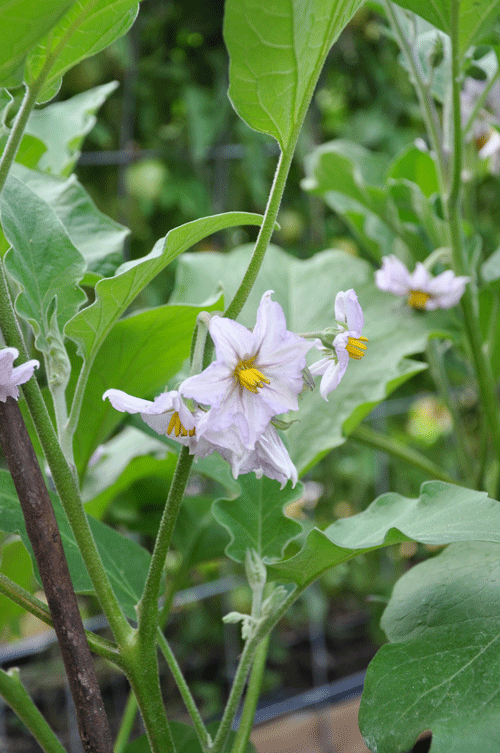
(178,429)
(417,299)
(356,346)
(250,378)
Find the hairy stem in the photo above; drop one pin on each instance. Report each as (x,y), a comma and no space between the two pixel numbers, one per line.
(251,698)
(14,694)
(62,474)
(183,688)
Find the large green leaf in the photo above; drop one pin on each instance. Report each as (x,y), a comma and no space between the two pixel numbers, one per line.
(115,294)
(62,127)
(125,562)
(306,290)
(277,50)
(140,355)
(87,27)
(93,233)
(443,514)
(255,520)
(24,23)
(440,671)
(43,261)
(475,17)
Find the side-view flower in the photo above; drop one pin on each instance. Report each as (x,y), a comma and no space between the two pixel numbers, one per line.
(348,342)
(420,288)
(12,376)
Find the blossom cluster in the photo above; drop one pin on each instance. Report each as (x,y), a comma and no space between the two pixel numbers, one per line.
(420,288)
(257,375)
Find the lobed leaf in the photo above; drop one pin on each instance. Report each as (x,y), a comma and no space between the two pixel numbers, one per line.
(255,519)
(442,514)
(440,671)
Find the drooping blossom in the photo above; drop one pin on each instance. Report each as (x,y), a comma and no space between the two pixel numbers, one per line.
(168,415)
(421,289)
(12,376)
(348,343)
(268,458)
(257,374)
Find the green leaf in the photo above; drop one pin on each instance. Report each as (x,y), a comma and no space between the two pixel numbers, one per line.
(115,294)
(475,17)
(95,235)
(185,739)
(63,126)
(443,514)
(306,290)
(24,24)
(255,520)
(349,178)
(16,565)
(440,671)
(277,50)
(140,355)
(197,536)
(126,458)
(125,562)
(417,167)
(43,261)
(86,28)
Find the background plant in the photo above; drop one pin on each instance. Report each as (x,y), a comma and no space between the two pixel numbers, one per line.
(56,245)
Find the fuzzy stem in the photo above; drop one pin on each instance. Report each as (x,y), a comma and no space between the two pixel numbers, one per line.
(127,723)
(13,692)
(62,474)
(147,609)
(251,698)
(16,134)
(182,685)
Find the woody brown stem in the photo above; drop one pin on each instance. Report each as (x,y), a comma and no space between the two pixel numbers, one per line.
(45,539)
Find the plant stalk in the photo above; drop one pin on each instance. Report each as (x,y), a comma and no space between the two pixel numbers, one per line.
(14,694)
(43,532)
(251,698)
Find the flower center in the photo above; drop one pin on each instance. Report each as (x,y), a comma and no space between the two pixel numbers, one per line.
(418,299)
(356,346)
(250,378)
(178,429)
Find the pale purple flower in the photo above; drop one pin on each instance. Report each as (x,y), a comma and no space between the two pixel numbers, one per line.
(167,414)
(12,376)
(348,343)
(422,290)
(268,458)
(256,375)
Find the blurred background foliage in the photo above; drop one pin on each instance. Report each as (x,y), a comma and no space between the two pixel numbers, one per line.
(168,148)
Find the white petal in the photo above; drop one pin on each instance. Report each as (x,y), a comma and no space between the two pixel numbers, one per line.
(320,366)
(211,386)
(270,458)
(420,279)
(125,403)
(352,311)
(11,377)
(393,277)
(233,342)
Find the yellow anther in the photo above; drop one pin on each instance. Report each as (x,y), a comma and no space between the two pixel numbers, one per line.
(417,299)
(178,428)
(356,346)
(250,378)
